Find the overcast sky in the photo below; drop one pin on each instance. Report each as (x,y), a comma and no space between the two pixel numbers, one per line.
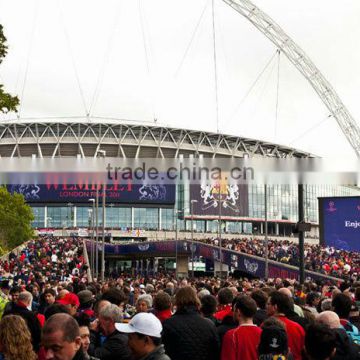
(153,59)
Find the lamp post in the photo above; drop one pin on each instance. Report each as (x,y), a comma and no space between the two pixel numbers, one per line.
(266,236)
(192,236)
(220,238)
(103,235)
(97,232)
(176,241)
(70,205)
(111,215)
(176,213)
(102,153)
(220,201)
(92,238)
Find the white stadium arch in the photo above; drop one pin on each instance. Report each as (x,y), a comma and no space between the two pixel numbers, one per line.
(303,63)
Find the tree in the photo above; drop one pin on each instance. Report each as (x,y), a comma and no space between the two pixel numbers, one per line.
(7,102)
(15,220)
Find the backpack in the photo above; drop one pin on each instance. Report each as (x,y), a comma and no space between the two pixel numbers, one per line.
(354,333)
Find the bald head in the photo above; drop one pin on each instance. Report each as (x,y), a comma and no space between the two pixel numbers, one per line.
(286,292)
(64,323)
(329,318)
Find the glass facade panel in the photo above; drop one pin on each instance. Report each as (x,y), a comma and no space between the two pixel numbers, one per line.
(146,218)
(118,217)
(39,217)
(83,216)
(282,204)
(233,227)
(60,217)
(167,219)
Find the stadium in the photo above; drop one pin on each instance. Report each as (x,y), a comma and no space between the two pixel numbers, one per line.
(86,138)
(121,267)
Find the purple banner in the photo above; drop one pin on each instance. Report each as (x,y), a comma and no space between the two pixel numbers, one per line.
(252,265)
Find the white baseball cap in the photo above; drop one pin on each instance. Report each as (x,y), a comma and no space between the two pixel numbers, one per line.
(142,323)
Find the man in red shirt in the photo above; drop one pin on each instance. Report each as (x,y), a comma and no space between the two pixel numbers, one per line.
(225,298)
(242,342)
(278,305)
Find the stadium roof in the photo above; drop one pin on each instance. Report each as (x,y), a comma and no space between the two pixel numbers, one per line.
(69,137)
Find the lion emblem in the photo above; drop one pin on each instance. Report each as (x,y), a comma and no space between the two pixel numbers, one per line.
(251,267)
(30,192)
(152,192)
(228,196)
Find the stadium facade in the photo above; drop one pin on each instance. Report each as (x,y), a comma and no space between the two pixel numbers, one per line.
(88,137)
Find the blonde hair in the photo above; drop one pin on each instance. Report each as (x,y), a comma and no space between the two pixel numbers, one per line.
(15,339)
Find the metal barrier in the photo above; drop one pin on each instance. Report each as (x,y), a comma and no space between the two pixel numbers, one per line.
(250,264)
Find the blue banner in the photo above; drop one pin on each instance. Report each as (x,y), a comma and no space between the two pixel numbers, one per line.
(81,193)
(340,222)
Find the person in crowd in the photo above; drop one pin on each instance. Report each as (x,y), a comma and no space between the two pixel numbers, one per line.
(71,301)
(296,308)
(61,338)
(345,347)
(13,296)
(278,305)
(63,292)
(4,295)
(320,342)
(83,321)
(149,289)
(260,298)
(144,303)
(162,305)
(208,307)
(326,304)
(144,331)
(225,298)
(187,335)
(115,296)
(22,308)
(86,300)
(312,301)
(273,341)
(341,304)
(15,339)
(224,315)
(47,298)
(242,342)
(55,308)
(115,345)
(293,311)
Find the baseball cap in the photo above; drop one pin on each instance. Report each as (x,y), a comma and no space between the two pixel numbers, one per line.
(70,299)
(273,340)
(85,296)
(142,323)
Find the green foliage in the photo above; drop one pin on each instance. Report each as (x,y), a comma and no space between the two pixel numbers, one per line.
(7,102)
(15,220)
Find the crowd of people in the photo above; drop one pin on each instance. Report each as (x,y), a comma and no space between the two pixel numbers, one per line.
(50,310)
(322,259)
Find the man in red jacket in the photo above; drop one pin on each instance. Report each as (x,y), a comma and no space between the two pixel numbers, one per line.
(242,342)
(278,305)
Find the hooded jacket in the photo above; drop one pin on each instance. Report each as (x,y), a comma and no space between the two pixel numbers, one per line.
(345,348)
